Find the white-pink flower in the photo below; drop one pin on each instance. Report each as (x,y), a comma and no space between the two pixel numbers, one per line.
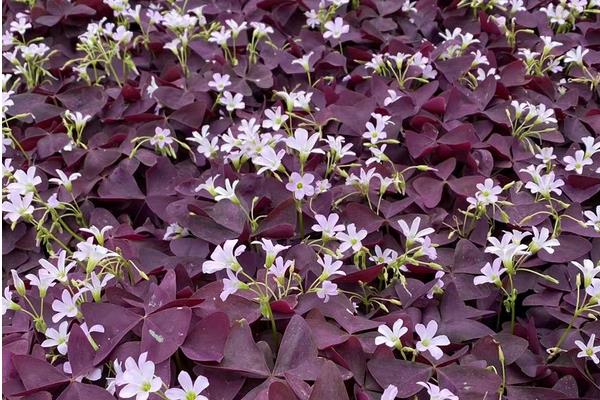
(162,137)
(351,239)
(414,233)
(219,82)
(224,257)
(389,393)
(330,266)
(328,225)
(391,337)
(66,307)
(335,29)
(326,290)
(491,273)
(428,341)
(301,185)
(435,393)
(189,390)
(139,379)
(578,162)
(588,350)
(57,338)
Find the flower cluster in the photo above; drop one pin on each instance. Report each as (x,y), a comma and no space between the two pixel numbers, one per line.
(325,199)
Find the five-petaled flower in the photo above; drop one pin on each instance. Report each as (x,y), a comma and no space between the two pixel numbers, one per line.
(391,337)
(224,257)
(162,137)
(428,341)
(138,378)
(335,29)
(490,273)
(189,390)
(588,350)
(301,185)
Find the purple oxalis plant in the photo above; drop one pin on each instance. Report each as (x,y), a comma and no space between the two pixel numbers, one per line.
(307,200)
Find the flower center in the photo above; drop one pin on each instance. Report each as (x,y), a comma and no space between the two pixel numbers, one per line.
(191,395)
(146,386)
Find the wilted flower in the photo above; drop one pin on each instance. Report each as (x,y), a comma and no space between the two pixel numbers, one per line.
(175,231)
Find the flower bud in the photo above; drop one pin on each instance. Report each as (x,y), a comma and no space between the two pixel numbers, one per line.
(18,282)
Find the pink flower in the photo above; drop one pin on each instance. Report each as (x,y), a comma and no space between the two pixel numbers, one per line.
(301,185)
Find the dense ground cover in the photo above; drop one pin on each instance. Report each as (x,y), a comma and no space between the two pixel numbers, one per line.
(301,200)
